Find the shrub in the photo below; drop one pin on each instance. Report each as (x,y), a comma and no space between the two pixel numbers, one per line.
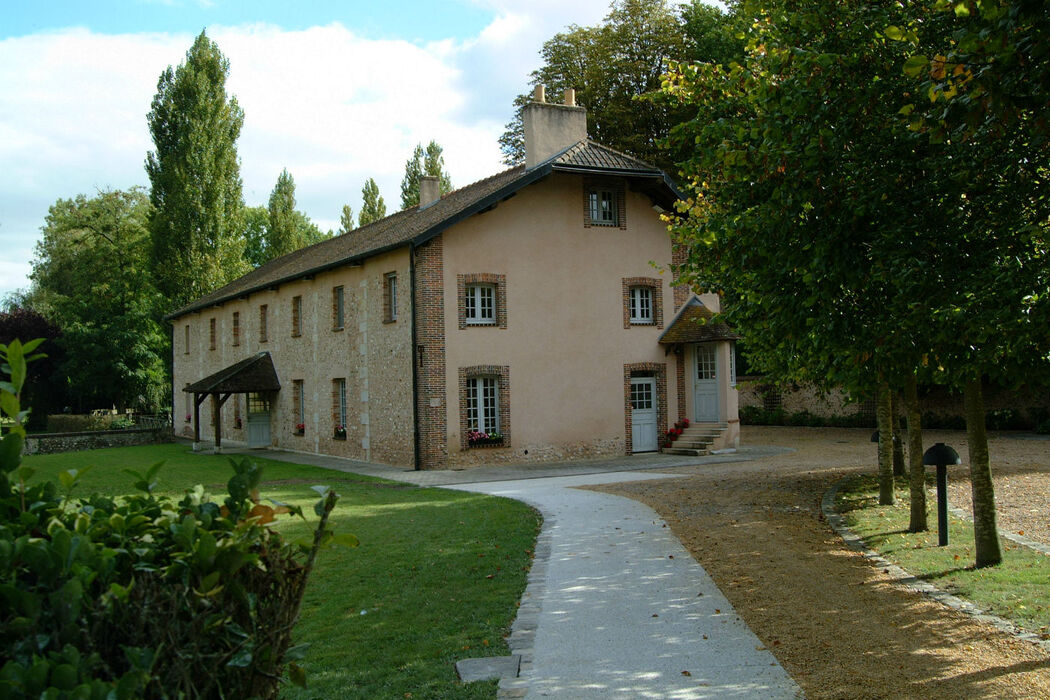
(141,596)
(75,423)
(122,423)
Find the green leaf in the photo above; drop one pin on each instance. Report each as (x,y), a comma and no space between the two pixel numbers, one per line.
(345,540)
(915,64)
(894,33)
(297,652)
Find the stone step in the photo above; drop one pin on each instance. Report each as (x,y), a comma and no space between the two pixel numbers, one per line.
(683,451)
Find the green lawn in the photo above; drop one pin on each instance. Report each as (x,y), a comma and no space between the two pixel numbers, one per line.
(437,576)
(1017,589)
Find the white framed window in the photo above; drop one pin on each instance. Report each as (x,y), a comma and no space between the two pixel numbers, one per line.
(483,404)
(706,362)
(641,303)
(479,304)
(602,207)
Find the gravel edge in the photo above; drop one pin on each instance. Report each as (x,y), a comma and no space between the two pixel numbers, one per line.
(907,580)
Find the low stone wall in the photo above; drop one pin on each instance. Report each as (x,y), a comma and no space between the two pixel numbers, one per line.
(50,443)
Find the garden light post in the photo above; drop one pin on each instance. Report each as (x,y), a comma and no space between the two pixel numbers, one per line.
(941,455)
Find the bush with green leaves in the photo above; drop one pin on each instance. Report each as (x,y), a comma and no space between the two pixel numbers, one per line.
(143,596)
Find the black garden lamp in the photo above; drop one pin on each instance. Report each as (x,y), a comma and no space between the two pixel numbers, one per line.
(941,455)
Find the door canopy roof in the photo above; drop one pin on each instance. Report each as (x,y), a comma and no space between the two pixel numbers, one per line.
(254,374)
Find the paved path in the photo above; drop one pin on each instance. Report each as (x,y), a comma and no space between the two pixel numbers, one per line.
(620,609)
(615,606)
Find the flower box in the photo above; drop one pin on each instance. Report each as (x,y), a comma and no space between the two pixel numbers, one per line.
(300,429)
(340,433)
(486,442)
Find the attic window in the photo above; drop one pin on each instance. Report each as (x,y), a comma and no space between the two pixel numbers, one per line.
(604,204)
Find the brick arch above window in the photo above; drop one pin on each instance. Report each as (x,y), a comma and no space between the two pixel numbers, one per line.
(466,282)
(655,286)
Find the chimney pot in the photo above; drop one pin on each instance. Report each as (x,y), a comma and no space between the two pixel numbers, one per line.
(570,97)
(429,190)
(539,94)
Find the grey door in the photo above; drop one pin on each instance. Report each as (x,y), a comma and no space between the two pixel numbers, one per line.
(643,414)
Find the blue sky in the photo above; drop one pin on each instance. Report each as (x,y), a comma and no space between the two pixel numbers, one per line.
(336,92)
(422,21)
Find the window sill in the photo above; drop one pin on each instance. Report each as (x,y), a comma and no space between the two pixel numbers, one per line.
(389,320)
(297,335)
(337,329)
(299,433)
(479,324)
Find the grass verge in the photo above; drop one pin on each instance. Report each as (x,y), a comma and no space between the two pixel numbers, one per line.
(1016,590)
(437,576)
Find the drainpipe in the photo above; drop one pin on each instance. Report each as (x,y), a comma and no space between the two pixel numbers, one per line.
(413,358)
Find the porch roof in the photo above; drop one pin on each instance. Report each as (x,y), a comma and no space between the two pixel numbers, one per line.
(692,324)
(252,374)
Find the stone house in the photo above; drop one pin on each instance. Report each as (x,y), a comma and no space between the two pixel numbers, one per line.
(528,316)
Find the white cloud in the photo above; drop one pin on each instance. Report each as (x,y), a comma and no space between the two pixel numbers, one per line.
(330,105)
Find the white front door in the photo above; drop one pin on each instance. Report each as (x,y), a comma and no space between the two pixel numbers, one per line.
(643,415)
(705,383)
(258,421)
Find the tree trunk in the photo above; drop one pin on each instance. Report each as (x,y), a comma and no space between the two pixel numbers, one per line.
(883,414)
(898,444)
(985,529)
(917,482)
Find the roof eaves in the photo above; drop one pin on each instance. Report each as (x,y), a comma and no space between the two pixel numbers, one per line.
(526,178)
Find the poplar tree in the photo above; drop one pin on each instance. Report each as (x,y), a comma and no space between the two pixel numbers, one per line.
(196,227)
(282,234)
(346,220)
(423,162)
(373,208)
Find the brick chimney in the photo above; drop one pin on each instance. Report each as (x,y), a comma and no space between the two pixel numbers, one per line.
(429,190)
(551,128)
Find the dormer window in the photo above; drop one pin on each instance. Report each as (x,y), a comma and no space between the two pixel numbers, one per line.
(602,205)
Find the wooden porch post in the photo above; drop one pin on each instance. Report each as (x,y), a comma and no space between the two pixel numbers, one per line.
(217,403)
(198,399)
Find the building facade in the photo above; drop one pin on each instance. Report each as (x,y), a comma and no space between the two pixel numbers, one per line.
(528,316)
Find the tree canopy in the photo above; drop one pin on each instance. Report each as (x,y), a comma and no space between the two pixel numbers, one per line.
(196,225)
(852,250)
(612,66)
(92,277)
(288,229)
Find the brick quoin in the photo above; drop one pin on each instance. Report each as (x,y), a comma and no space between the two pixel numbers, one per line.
(430,354)
(681,291)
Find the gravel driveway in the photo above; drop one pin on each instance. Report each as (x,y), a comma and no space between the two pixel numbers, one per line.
(839,626)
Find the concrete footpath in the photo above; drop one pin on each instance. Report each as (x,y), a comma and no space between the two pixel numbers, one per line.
(617,608)
(615,605)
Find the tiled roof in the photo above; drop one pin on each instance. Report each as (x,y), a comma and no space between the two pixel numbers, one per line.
(692,325)
(417,224)
(255,373)
(593,155)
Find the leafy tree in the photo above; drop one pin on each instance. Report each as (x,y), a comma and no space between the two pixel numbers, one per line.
(282,234)
(45,389)
(613,65)
(287,229)
(256,220)
(844,257)
(197,222)
(346,220)
(92,277)
(428,162)
(373,208)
